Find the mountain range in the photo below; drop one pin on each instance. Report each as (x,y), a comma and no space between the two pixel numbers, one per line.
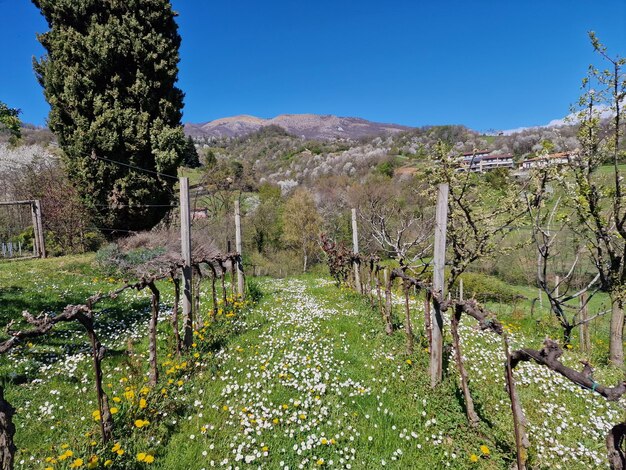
(308,126)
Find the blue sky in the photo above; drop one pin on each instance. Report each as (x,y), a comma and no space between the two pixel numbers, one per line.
(496,64)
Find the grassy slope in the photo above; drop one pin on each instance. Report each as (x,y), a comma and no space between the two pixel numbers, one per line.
(351,396)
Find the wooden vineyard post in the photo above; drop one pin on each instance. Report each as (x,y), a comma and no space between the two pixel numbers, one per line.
(238,248)
(436,346)
(38,236)
(519,421)
(388,307)
(585,340)
(152,334)
(355,249)
(472,417)
(185,240)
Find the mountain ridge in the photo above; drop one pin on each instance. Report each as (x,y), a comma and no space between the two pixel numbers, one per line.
(308,126)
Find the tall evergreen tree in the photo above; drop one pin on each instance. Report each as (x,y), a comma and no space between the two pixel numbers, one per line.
(109,76)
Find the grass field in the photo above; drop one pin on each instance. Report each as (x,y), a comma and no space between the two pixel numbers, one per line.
(305,378)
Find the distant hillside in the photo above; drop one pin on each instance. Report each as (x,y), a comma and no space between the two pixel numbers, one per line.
(308,126)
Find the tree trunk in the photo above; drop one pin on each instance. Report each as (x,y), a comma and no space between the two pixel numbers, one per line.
(175,325)
(519,420)
(97,352)
(7,431)
(408,327)
(196,299)
(152,333)
(306,259)
(388,311)
(427,317)
(614,446)
(472,417)
(213,292)
(616,334)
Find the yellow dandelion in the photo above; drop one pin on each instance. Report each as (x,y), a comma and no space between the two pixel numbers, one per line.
(485,450)
(143,403)
(473,458)
(77,463)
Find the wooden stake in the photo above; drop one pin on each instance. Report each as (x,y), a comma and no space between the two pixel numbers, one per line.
(388,322)
(436,347)
(40,234)
(408,327)
(185,240)
(519,420)
(238,247)
(152,334)
(355,249)
(585,340)
(472,417)
(175,326)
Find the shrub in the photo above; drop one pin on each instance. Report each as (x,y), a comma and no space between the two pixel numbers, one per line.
(487,288)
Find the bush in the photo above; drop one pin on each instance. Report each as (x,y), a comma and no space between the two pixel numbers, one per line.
(113,261)
(487,288)
(254,290)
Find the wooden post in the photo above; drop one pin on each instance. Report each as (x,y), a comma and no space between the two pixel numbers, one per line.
(40,235)
(388,306)
(185,240)
(36,249)
(585,340)
(355,249)
(439,260)
(557,281)
(519,420)
(238,247)
(472,417)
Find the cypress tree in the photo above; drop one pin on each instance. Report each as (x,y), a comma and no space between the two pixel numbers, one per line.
(109,76)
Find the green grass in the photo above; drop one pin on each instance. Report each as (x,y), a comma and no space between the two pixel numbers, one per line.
(317,349)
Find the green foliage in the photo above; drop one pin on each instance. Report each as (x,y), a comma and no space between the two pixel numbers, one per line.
(486,288)
(109,76)
(10,122)
(386,168)
(498,179)
(210,160)
(191,159)
(255,293)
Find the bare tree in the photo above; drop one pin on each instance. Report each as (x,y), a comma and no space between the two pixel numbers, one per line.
(600,208)
(547,235)
(400,223)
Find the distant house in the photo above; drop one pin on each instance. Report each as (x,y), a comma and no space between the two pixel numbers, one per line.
(199,213)
(499,160)
(468,160)
(484,161)
(560,158)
